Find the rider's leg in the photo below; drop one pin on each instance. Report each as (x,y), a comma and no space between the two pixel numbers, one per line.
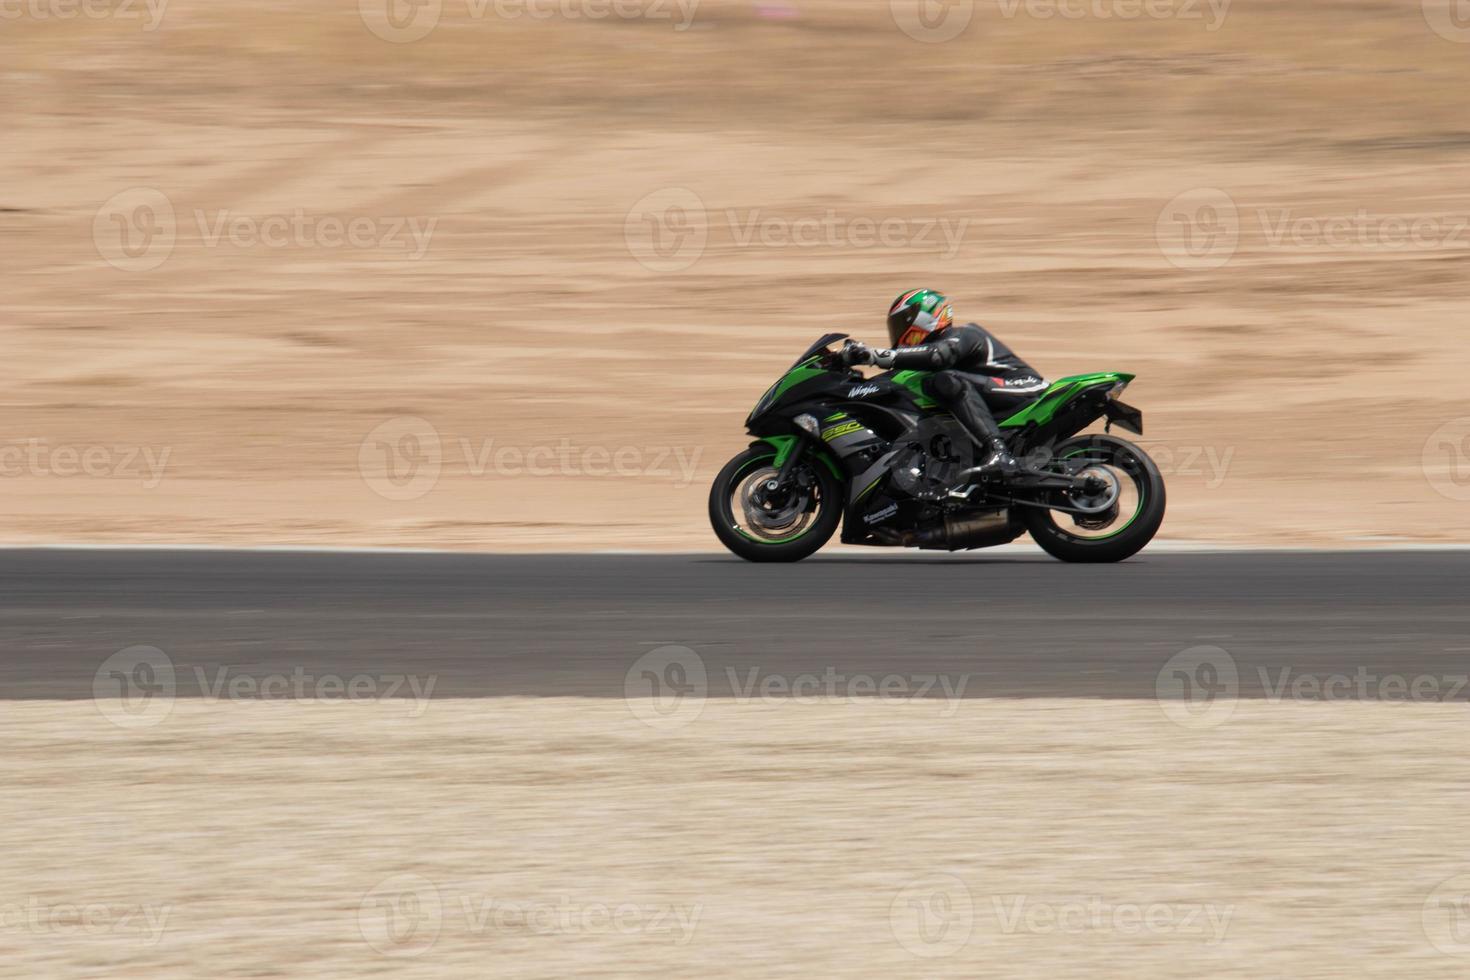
(961,395)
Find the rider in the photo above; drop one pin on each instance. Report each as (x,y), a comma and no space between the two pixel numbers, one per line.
(973,371)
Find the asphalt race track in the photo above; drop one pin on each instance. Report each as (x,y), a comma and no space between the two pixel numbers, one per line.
(489,625)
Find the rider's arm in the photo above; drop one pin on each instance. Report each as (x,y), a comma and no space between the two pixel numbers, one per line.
(925,357)
(955,347)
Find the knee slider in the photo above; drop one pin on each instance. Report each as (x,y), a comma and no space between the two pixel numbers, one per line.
(947,384)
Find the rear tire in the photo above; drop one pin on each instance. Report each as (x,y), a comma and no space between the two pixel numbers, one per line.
(1136,530)
(825,508)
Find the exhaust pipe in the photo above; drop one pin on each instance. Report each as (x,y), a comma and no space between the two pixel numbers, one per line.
(970,532)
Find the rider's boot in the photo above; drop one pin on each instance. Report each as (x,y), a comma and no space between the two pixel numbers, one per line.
(999,465)
(971,412)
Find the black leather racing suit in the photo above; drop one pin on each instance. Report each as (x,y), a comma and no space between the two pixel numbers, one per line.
(975,375)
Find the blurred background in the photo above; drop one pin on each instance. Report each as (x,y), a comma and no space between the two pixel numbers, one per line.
(509,273)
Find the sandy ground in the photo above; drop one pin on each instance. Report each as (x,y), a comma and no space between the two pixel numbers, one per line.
(272,279)
(569,838)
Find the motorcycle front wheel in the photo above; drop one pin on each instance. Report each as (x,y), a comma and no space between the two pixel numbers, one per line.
(760,521)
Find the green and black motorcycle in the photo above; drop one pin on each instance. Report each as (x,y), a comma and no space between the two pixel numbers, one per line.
(880,457)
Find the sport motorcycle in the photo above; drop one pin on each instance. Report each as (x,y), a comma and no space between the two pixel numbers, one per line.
(883,459)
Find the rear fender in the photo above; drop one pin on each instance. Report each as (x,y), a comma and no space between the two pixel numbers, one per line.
(1060,395)
(1125,417)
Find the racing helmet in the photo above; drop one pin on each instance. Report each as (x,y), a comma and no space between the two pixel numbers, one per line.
(915,315)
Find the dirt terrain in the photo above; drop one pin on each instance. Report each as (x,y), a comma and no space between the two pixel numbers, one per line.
(566,837)
(271,278)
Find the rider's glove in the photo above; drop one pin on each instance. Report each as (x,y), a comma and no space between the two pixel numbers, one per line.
(856,353)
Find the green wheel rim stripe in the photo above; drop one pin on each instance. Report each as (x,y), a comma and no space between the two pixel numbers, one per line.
(1142,497)
(750,537)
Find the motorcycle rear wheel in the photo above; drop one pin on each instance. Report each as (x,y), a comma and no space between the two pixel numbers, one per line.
(1130,528)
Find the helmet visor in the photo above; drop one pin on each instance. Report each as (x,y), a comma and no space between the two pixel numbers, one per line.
(913,337)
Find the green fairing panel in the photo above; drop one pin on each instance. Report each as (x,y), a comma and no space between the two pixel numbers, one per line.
(804,371)
(914,382)
(1060,393)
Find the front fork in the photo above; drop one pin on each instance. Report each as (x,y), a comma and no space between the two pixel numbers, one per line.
(791,450)
(789,464)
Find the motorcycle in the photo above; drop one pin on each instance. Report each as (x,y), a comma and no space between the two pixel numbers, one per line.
(881,457)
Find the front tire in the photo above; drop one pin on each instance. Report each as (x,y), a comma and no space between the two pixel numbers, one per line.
(788,530)
(1130,529)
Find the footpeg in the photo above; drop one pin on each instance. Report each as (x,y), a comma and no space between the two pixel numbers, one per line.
(1000,466)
